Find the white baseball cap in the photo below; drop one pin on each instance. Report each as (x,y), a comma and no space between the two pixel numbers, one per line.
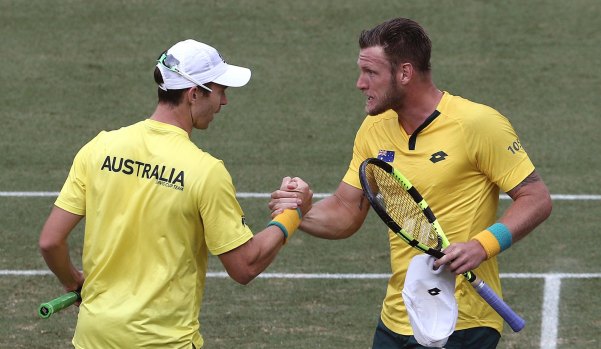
(191,63)
(429,297)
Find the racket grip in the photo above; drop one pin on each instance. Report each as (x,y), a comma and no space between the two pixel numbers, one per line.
(513,320)
(58,304)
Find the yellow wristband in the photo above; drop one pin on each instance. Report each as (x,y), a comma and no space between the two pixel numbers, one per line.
(489,242)
(288,221)
(494,239)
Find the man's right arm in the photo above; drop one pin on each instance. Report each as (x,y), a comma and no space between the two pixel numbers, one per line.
(54,247)
(335,217)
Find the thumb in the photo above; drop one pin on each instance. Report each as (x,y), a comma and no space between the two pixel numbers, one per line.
(292,184)
(285,183)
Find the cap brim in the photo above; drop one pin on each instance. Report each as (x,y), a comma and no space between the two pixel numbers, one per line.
(234,76)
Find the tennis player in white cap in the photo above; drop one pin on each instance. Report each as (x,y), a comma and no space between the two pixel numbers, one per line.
(156,205)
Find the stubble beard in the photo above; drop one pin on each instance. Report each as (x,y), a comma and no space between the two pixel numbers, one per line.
(393,98)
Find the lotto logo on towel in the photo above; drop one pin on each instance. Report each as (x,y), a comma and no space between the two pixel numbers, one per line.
(434,291)
(386,155)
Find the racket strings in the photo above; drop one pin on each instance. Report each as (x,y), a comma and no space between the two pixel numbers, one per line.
(401,207)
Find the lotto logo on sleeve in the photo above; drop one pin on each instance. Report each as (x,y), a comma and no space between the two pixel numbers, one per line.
(386,155)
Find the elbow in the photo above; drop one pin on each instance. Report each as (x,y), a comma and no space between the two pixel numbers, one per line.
(344,234)
(541,203)
(541,207)
(353,227)
(245,275)
(357,223)
(241,263)
(243,278)
(47,245)
(548,207)
(244,281)
(546,204)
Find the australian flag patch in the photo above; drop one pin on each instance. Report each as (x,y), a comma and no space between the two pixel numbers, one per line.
(386,155)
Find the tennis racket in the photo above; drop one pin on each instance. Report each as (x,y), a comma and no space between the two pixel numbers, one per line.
(45,310)
(406,213)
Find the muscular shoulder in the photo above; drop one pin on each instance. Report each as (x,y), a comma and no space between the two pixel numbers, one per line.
(481,126)
(380,120)
(471,115)
(382,126)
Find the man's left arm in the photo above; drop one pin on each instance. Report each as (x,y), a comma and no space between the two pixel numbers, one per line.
(530,207)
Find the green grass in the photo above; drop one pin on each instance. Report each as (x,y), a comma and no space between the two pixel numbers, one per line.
(73,68)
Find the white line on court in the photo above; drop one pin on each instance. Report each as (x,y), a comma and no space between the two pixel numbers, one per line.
(550,313)
(340,276)
(246,195)
(28,194)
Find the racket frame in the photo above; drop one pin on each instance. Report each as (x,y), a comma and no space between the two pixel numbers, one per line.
(513,319)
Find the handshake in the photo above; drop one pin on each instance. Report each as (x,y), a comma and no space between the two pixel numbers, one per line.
(289,204)
(293,193)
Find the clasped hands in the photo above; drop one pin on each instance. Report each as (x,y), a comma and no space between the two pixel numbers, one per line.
(293,193)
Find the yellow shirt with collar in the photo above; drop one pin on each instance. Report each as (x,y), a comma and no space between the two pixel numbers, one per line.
(458,160)
(155,205)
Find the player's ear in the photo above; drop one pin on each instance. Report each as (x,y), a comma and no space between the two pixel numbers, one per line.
(404,73)
(192,94)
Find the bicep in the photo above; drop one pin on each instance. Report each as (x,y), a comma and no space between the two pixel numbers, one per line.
(337,216)
(58,226)
(531,206)
(532,185)
(352,200)
(233,260)
(248,260)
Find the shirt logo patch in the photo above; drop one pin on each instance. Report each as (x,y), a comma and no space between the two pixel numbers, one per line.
(438,156)
(386,155)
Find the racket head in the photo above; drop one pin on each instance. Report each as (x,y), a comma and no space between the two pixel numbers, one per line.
(387,189)
(400,206)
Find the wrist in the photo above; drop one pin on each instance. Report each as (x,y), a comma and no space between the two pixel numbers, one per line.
(494,239)
(288,221)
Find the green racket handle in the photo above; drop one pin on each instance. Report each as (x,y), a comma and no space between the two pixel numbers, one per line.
(58,304)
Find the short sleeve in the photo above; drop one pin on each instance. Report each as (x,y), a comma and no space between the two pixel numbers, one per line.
(499,153)
(222,216)
(72,197)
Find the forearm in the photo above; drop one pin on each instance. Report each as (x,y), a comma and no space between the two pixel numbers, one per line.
(334,218)
(525,214)
(531,206)
(522,216)
(266,246)
(55,249)
(247,261)
(58,261)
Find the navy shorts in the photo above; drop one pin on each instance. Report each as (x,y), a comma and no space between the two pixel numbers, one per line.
(472,338)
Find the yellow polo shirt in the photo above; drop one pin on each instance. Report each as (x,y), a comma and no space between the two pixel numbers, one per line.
(458,160)
(155,205)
